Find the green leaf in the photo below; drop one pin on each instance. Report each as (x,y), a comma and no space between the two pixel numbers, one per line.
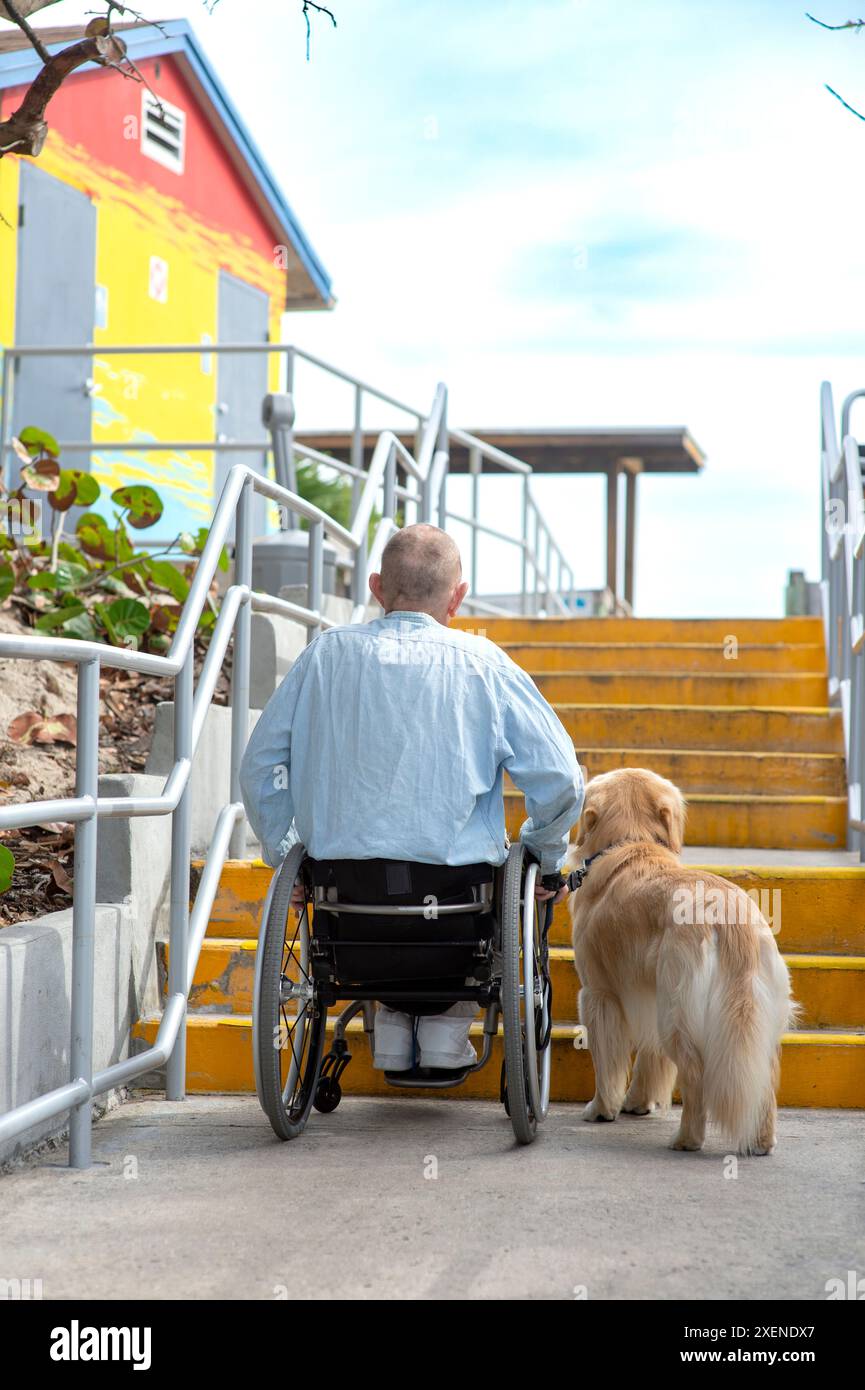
(7,580)
(91,519)
(83,627)
(143,504)
(128,618)
(66,576)
(206,620)
(7,868)
(95,541)
(37,441)
(69,552)
(56,617)
(164,576)
(75,489)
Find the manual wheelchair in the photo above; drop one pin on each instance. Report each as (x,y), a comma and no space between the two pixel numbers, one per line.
(488,943)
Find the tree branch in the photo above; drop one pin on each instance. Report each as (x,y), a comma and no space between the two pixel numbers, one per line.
(26,129)
(848,24)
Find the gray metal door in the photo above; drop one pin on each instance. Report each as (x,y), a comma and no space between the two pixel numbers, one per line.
(56,294)
(243,318)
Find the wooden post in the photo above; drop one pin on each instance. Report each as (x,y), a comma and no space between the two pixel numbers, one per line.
(632,467)
(613,529)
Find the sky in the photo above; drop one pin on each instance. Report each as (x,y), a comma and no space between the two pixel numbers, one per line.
(615,213)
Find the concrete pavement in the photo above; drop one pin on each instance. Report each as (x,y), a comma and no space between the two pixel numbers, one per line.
(409,1199)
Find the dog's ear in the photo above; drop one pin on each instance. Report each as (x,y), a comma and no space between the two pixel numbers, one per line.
(588,821)
(673,820)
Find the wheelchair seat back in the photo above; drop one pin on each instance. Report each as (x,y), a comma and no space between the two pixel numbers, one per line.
(431,948)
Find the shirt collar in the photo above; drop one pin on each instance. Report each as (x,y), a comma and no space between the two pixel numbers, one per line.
(408,615)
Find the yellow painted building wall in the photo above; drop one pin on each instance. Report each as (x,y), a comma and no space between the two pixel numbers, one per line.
(156,397)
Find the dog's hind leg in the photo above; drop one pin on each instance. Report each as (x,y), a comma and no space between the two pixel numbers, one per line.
(651,1085)
(692,1126)
(610,1047)
(767,1137)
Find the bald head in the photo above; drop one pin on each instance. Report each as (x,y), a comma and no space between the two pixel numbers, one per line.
(421,570)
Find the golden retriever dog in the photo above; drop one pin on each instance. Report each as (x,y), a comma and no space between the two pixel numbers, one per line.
(702,993)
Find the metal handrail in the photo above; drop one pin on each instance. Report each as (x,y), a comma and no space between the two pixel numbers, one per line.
(428,469)
(842,591)
(548,575)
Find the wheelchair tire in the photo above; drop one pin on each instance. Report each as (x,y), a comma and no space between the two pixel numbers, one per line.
(287,1046)
(527,1066)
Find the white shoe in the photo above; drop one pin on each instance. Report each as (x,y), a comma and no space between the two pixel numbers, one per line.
(443,1039)
(394,1040)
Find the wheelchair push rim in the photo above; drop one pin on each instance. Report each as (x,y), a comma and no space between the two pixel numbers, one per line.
(525,998)
(288,1019)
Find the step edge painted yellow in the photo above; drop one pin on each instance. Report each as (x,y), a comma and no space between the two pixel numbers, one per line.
(791,710)
(796,961)
(780,871)
(802,961)
(560,1030)
(745,798)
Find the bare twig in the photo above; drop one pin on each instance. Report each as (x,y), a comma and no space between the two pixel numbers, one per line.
(848,24)
(843,102)
(320,9)
(12,11)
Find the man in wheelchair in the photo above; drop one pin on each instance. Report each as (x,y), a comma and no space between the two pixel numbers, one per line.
(384,751)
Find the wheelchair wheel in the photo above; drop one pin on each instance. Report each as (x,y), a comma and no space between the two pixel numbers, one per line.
(288,1019)
(525,998)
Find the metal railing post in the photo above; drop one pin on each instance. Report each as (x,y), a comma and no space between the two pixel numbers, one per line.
(5,412)
(84,914)
(315,575)
(475,466)
(443,447)
(357,447)
(277,416)
(178,944)
(524,566)
(240,662)
(389,490)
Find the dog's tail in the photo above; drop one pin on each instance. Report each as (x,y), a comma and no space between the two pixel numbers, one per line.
(748,1010)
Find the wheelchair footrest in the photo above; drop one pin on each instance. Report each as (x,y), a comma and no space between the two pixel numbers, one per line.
(431,1077)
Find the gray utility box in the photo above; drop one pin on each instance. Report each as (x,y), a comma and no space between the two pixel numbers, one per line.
(281,560)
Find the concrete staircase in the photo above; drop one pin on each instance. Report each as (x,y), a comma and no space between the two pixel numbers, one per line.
(736,713)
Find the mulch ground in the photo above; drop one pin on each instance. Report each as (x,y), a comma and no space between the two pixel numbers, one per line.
(35,771)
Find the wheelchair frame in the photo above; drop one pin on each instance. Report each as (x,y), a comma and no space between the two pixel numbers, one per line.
(511,967)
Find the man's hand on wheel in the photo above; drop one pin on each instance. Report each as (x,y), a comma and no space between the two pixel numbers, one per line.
(542,893)
(298,897)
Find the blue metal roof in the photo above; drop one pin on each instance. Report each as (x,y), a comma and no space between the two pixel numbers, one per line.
(175,36)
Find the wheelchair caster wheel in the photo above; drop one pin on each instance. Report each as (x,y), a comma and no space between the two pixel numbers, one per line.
(328,1095)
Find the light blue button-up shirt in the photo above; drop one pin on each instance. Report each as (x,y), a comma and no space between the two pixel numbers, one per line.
(390,739)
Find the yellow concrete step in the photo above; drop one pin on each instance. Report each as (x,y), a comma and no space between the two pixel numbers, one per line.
(740,821)
(724,727)
(818,910)
(712,770)
(747,631)
(781,690)
(830,989)
(668,656)
(819,1068)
